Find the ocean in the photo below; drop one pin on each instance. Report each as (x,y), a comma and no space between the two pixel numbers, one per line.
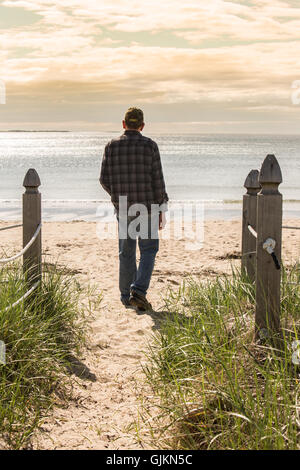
(205,168)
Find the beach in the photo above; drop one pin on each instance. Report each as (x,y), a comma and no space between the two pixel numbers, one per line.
(106,398)
(190,108)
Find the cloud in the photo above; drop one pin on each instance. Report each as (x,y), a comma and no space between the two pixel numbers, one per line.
(234,55)
(268,20)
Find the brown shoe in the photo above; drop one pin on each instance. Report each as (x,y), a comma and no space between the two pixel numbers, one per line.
(140,302)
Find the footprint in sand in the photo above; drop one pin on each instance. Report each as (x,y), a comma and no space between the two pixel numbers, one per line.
(140,332)
(131,356)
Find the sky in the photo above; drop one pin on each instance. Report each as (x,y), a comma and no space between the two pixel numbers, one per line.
(193,66)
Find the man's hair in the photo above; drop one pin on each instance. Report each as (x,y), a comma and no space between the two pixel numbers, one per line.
(134,118)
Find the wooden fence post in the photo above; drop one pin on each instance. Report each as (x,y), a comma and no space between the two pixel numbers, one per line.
(249,218)
(269,226)
(32,216)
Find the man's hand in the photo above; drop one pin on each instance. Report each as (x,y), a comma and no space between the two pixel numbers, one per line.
(162,220)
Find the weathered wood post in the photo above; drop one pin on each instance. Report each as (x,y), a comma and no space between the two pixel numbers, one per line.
(269,227)
(249,218)
(32,216)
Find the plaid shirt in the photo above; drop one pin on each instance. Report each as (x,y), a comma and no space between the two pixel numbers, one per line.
(131,167)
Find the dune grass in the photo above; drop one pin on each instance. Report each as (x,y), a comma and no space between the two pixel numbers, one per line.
(213,387)
(39,334)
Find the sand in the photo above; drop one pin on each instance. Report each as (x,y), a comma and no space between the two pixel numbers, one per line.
(106,398)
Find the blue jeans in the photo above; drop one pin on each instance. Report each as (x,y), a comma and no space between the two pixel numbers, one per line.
(131,277)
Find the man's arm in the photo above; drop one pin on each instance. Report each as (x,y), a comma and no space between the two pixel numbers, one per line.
(104,174)
(158,182)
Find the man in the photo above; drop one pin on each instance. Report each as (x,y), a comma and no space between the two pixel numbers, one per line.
(131,170)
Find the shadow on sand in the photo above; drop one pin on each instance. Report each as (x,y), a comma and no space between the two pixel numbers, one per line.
(159,316)
(79,369)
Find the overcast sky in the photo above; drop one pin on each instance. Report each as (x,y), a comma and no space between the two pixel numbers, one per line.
(193,66)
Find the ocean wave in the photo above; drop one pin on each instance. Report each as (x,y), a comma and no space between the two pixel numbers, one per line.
(107,201)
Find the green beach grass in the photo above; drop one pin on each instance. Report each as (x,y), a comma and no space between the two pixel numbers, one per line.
(40,334)
(213,388)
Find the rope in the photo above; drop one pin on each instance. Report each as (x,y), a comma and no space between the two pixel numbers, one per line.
(23,297)
(291,228)
(249,253)
(7,260)
(251,230)
(11,226)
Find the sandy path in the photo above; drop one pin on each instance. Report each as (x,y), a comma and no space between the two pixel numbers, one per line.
(106,401)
